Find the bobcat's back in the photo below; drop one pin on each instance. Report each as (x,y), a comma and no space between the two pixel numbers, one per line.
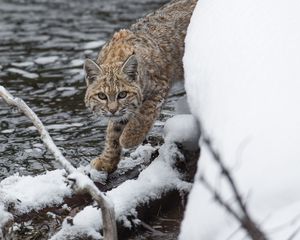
(167,28)
(157,40)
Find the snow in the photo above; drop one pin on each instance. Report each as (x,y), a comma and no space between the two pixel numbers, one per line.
(46,60)
(242,80)
(85,231)
(29,192)
(139,157)
(183,128)
(23,73)
(158,178)
(96,176)
(36,192)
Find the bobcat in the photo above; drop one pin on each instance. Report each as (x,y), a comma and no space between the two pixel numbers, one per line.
(132,76)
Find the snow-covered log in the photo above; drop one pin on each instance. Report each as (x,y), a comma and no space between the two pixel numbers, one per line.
(159,178)
(242,80)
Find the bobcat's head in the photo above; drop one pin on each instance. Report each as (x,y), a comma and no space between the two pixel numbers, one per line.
(112,90)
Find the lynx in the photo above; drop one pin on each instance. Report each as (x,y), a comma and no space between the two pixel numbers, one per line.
(132,76)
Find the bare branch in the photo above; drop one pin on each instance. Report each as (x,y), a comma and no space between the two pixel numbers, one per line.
(82,182)
(219,199)
(225,172)
(246,220)
(294,234)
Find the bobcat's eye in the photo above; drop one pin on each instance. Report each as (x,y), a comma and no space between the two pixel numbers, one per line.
(122,94)
(102,96)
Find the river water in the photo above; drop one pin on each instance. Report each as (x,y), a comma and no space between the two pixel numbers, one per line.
(43,44)
(42,47)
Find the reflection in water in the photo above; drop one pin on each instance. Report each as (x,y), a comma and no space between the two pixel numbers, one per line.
(43,45)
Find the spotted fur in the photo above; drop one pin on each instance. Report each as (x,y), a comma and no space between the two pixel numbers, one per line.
(132,75)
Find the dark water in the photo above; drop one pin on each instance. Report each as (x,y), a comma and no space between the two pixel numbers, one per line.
(64,32)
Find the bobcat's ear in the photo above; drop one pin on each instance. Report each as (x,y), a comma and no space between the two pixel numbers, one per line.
(130,67)
(92,70)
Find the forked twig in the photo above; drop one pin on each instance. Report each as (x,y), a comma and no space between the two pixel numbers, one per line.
(245,219)
(82,182)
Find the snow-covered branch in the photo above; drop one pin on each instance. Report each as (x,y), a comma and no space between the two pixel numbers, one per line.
(82,182)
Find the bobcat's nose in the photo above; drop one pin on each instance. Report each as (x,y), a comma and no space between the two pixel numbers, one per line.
(113,111)
(112,107)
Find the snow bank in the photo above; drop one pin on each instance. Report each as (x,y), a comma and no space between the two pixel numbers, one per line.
(242,80)
(28,192)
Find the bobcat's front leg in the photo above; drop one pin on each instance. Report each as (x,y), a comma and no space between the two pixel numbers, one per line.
(110,157)
(140,124)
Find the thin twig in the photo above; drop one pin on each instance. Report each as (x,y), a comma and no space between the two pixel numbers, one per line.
(151,229)
(219,199)
(83,182)
(246,220)
(294,234)
(225,172)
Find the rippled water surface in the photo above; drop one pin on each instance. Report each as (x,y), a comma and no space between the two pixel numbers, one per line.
(42,47)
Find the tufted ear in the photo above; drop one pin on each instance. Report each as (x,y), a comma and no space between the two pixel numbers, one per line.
(92,70)
(130,67)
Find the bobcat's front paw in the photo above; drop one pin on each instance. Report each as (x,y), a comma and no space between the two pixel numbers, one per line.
(102,164)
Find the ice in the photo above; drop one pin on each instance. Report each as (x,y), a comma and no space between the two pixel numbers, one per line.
(93,44)
(6,131)
(65,89)
(242,80)
(46,60)
(77,62)
(23,73)
(58,126)
(22,64)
